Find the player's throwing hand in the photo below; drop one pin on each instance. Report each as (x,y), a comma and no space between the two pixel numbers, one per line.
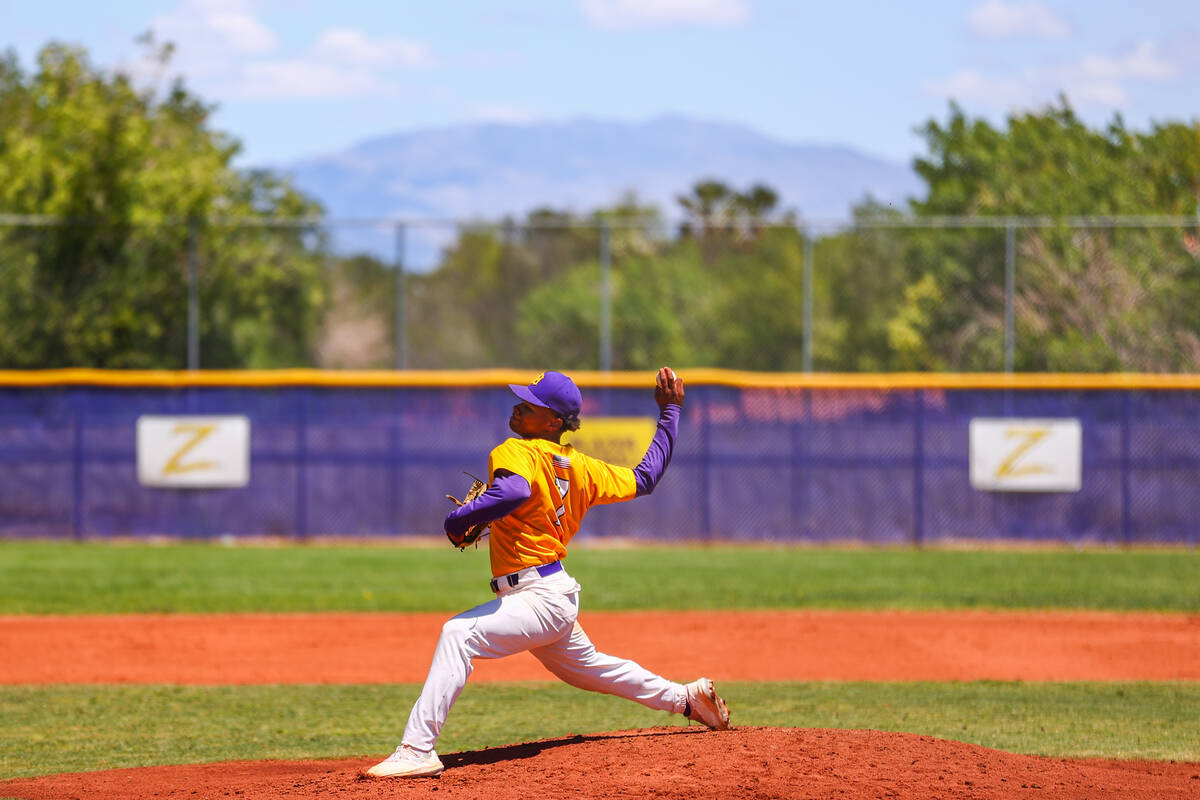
(668,388)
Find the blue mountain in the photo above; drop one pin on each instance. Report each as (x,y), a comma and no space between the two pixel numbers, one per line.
(488,171)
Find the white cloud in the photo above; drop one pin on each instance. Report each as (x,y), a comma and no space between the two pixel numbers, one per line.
(970,86)
(1144,61)
(226,51)
(213,38)
(302,78)
(997,19)
(244,33)
(498,112)
(633,14)
(211,27)
(352,46)
(1095,81)
(1105,94)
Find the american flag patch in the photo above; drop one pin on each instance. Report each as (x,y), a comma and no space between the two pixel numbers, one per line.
(561,461)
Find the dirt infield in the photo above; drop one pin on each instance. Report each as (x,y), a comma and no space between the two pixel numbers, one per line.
(741,645)
(665,763)
(670,762)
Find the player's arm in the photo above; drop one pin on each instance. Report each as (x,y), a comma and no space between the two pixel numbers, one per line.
(668,393)
(510,466)
(505,494)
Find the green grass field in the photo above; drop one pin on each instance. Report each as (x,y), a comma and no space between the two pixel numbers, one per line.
(65,578)
(67,728)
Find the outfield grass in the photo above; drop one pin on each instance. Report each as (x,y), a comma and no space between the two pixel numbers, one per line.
(73,728)
(69,578)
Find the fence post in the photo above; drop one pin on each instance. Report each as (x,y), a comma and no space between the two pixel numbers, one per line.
(193,300)
(802,469)
(1126,467)
(78,524)
(401,298)
(302,462)
(806,345)
(605,296)
(395,448)
(706,463)
(919,469)
(1010,279)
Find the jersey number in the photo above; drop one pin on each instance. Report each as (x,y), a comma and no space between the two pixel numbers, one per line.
(563,485)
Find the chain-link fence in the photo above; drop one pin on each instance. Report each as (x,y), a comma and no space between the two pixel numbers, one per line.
(883,294)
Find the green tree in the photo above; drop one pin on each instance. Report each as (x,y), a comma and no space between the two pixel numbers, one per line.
(752,210)
(474,309)
(136,183)
(1087,298)
(742,310)
(755,318)
(723,218)
(1050,163)
(359,329)
(859,280)
(708,206)
(456,313)
(655,315)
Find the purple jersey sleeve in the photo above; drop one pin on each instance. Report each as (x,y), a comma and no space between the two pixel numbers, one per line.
(501,498)
(658,455)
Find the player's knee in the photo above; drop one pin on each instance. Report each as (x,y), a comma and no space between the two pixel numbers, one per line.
(456,630)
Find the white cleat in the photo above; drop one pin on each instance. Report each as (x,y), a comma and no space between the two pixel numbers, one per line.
(407,763)
(706,705)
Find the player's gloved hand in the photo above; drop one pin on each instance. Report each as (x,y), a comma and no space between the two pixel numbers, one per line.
(471,534)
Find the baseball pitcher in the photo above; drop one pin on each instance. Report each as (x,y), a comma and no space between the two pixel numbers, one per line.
(537,493)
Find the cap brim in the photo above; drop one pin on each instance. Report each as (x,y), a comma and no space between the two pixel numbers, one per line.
(526,395)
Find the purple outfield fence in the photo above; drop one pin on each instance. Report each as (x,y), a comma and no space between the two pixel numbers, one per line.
(867,459)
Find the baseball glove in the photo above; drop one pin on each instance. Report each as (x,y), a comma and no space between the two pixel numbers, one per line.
(472,534)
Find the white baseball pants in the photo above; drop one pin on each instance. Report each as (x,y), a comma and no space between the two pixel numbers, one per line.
(537,615)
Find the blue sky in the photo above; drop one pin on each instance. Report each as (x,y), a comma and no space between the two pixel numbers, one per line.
(300,78)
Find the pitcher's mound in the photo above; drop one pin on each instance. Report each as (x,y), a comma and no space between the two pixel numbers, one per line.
(668,762)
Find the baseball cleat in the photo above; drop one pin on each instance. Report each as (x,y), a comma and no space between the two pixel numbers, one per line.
(407,763)
(706,706)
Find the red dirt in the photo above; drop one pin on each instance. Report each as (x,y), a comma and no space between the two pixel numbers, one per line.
(660,762)
(665,763)
(734,645)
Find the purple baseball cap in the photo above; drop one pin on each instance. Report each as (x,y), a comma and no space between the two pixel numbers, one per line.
(551,390)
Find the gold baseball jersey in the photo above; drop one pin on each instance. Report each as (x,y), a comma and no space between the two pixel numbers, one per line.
(563,484)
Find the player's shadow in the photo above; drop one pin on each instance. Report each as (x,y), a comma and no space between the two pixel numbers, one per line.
(513,752)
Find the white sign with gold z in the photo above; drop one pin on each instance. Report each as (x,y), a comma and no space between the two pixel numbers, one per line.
(193,452)
(1026,455)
